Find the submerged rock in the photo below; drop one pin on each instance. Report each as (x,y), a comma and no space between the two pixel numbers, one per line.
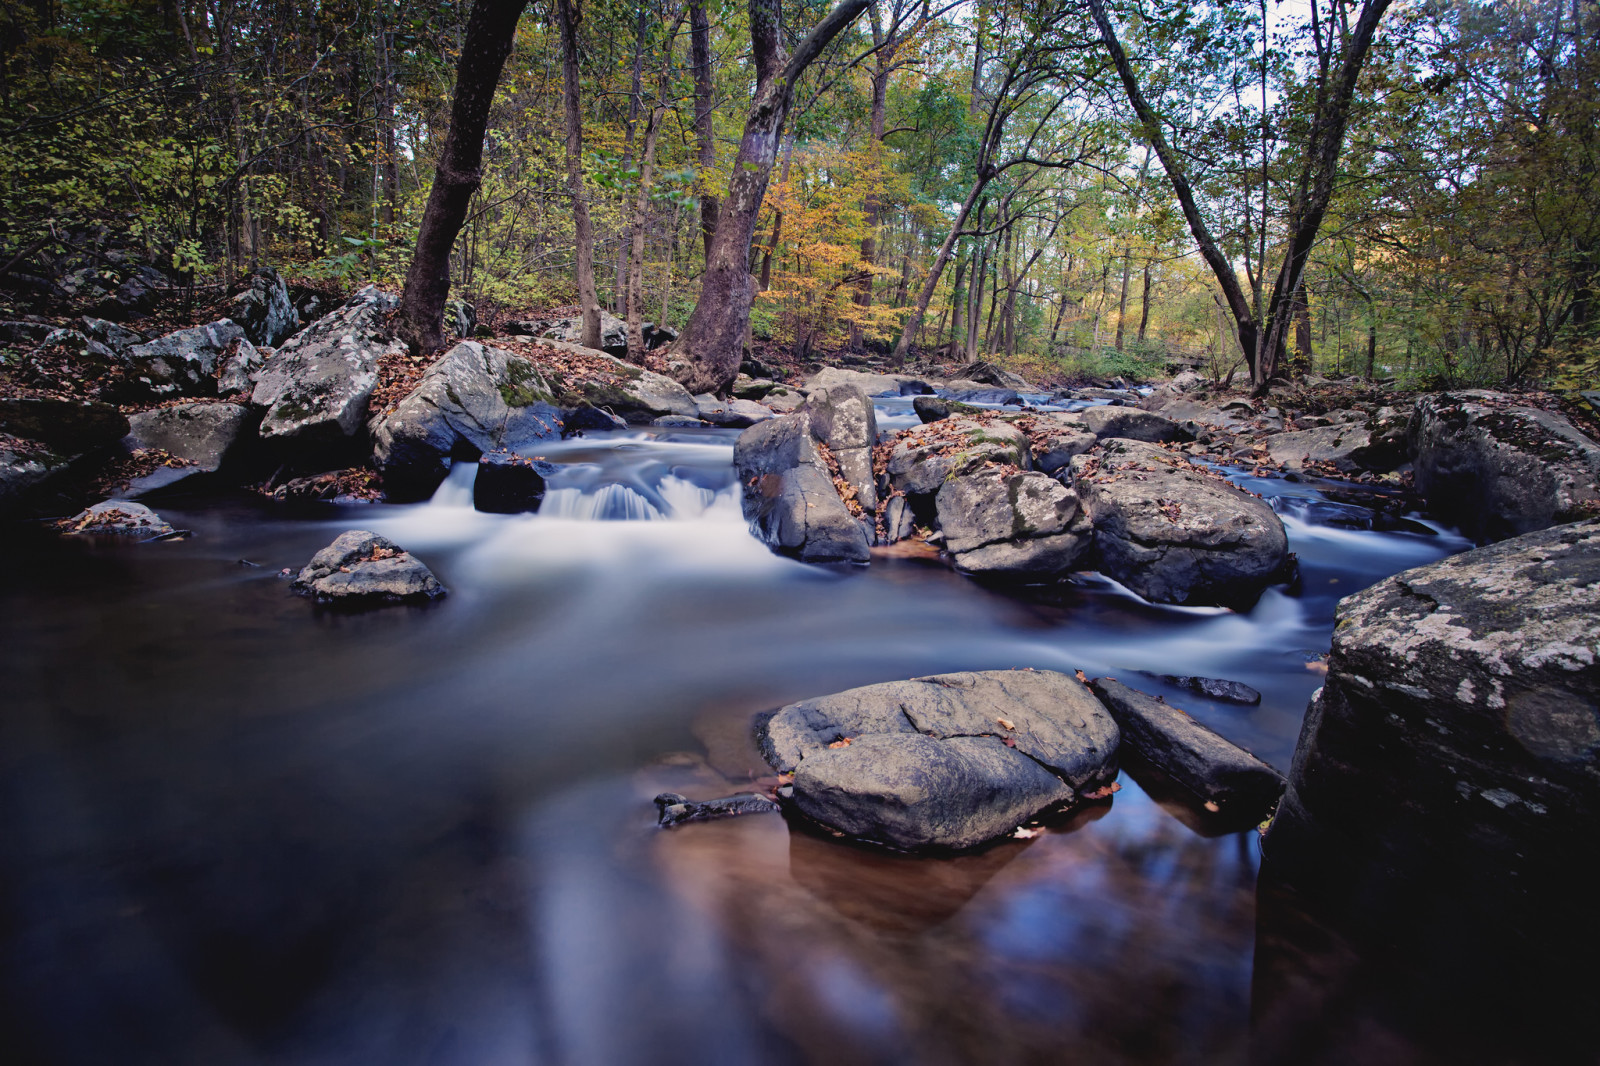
(673,809)
(946,761)
(1216,688)
(1499,469)
(1453,757)
(1215,770)
(1174,534)
(361,566)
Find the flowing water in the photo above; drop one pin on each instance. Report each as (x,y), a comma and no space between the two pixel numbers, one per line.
(235,828)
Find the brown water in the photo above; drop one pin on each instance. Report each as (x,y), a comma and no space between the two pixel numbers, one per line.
(237,829)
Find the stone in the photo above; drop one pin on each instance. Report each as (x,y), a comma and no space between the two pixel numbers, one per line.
(79,342)
(925,457)
(117,339)
(985,373)
(999,397)
(70,427)
(789,497)
(263,309)
(587,417)
(186,362)
(362,567)
(635,394)
(673,809)
(1216,688)
(746,387)
(613,333)
(844,420)
(509,484)
(134,297)
(1498,468)
(1130,423)
(474,399)
(899,521)
(460,319)
(24,469)
(121,518)
(1188,381)
(316,387)
(735,414)
(208,435)
(1213,769)
(1055,439)
(927,763)
(931,408)
(1348,446)
(1452,758)
(677,422)
(22,333)
(1004,520)
(1175,534)
(783,399)
(869,384)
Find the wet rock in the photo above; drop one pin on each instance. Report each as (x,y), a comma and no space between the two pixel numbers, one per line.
(509,484)
(931,408)
(474,399)
(316,387)
(926,456)
(1130,423)
(677,422)
(1006,521)
(746,387)
(735,414)
(1499,469)
(363,567)
(1215,770)
(263,309)
(673,809)
(789,496)
(121,518)
(585,417)
(991,396)
(1452,760)
(67,426)
(927,763)
(1216,688)
(186,362)
(915,387)
(1174,534)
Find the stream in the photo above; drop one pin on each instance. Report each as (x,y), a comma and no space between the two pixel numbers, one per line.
(235,828)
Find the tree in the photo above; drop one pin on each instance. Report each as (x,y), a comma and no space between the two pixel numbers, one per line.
(570,14)
(712,343)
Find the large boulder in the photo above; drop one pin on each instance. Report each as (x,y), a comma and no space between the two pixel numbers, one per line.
(946,761)
(474,399)
(67,426)
(1001,520)
(986,373)
(869,384)
(1499,468)
(263,309)
(605,381)
(208,436)
(1174,533)
(316,387)
(1452,759)
(733,414)
(924,457)
(362,567)
(613,332)
(789,495)
(187,362)
(1130,423)
(1348,446)
(1214,770)
(1054,439)
(844,421)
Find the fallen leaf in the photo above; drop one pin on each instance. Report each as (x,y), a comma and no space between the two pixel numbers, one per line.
(1010,742)
(1024,833)
(1005,723)
(1212,807)
(1105,792)
(842,742)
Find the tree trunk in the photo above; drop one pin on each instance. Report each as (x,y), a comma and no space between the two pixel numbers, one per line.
(777,221)
(1122,301)
(636,260)
(619,288)
(872,207)
(570,15)
(700,56)
(1144,304)
(914,323)
(484,48)
(712,343)
(958,301)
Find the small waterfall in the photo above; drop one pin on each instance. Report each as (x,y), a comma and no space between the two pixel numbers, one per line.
(456,489)
(607,503)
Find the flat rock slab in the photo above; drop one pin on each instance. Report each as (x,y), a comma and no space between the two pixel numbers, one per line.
(947,761)
(362,567)
(1215,770)
(1130,423)
(202,433)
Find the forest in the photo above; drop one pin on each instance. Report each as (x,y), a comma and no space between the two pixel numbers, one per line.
(967,180)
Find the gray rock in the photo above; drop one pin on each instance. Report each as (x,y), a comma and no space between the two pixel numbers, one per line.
(613,332)
(1055,439)
(927,763)
(1215,770)
(899,522)
(117,339)
(988,374)
(22,333)
(1174,534)
(992,396)
(925,456)
(486,398)
(843,419)
(79,342)
(589,417)
(931,408)
(240,369)
(509,484)
(1000,520)
(70,427)
(869,384)
(135,296)
(746,387)
(23,471)
(1216,688)
(121,518)
(677,422)
(1348,446)
(460,319)
(1188,381)
(1130,423)
(1453,755)
(363,567)
(735,414)
(789,496)
(316,387)
(673,809)
(209,435)
(783,399)
(186,362)
(1499,469)
(263,309)
(636,394)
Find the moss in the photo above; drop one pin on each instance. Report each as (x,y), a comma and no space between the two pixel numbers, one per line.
(523,387)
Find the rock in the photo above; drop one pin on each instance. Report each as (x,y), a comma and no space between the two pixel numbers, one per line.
(23,470)
(1499,469)
(474,399)
(844,420)
(613,332)
(460,319)
(635,394)
(1055,439)
(361,566)
(1174,534)
(135,297)
(79,342)
(915,387)
(988,374)
(789,496)
(121,518)
(509,484)
(919,771)
(586,417)
(70,427)
(657,336)
(1188,381)
(747,388)
(869,384)
(263,309)
(20,333)
(1452,759)
(1011,521)
(925,456)
(931,408)
(1213,769)
(677,422)
(783,399)
(899,521)
(673,809)
(1347,446)
(1216,688)
(186,362)
(990,396)
(736,414)
(316,387)
(117,339)
(1130,423)
(209,435)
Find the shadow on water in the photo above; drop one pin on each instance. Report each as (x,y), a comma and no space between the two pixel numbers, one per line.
(236,829)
